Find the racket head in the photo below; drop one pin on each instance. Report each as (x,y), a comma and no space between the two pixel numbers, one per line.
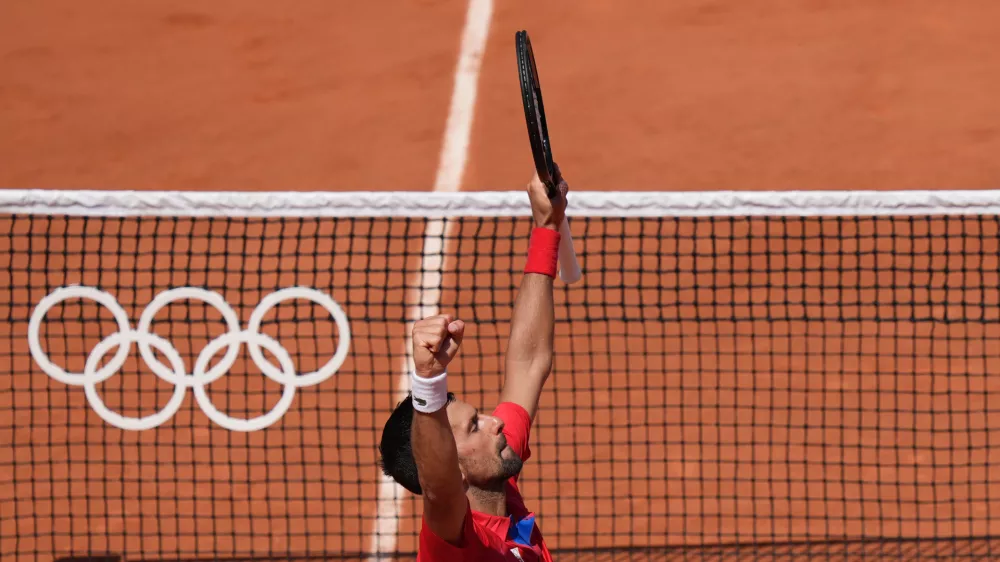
(534,111)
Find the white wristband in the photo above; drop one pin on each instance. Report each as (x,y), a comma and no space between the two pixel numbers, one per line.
(429,395)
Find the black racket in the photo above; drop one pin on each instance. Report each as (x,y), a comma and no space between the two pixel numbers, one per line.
(541,149)
(534,112)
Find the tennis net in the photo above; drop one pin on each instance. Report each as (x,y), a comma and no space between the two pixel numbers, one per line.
(204,376)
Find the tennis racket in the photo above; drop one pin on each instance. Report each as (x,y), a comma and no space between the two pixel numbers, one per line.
(541,148)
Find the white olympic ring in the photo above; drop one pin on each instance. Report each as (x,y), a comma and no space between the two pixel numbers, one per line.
(175,373)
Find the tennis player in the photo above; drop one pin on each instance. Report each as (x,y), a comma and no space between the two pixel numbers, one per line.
(465,463)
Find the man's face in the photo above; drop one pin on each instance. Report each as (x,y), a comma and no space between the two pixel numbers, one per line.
(483,453)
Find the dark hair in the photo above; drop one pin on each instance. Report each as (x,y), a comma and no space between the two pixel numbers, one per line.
(396,449)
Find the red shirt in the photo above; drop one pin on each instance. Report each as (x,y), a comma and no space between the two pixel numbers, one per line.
(488,537)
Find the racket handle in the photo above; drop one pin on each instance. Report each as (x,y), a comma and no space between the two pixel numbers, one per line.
(569,267)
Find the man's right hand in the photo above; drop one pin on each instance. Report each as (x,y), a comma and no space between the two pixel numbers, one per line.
(436,340)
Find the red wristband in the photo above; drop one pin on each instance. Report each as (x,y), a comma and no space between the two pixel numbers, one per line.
(543,252)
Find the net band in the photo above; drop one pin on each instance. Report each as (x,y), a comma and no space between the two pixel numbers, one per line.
(497,203)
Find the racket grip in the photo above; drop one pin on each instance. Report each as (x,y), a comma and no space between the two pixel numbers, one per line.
(569,267)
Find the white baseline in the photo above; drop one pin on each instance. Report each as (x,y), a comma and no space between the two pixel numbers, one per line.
(451,168)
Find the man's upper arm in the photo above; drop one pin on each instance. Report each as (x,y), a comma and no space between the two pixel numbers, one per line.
(523,389)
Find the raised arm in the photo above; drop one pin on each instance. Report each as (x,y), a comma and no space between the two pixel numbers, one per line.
(529,348)
(435,342)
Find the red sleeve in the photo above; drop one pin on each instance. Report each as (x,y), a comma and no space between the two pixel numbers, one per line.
(435,549)
(516,427)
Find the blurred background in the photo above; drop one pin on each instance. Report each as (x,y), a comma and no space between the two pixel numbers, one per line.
(640,95)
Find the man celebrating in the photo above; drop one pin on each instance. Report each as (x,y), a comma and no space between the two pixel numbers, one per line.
(465,464)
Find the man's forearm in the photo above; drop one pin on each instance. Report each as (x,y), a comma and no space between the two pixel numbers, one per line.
(529,350)
(435,454)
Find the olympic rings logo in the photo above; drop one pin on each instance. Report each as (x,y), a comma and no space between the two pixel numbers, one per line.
(174,373)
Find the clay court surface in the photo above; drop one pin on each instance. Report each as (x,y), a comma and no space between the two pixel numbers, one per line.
(655,96)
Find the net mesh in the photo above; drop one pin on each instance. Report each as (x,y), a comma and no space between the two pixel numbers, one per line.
(724,387)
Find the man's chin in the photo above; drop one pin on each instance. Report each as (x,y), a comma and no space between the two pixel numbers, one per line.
(508,454)
(510,464)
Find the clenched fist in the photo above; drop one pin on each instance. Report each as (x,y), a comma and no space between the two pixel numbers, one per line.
(436,340)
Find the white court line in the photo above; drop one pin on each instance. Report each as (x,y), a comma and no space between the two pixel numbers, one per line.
(451,167)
